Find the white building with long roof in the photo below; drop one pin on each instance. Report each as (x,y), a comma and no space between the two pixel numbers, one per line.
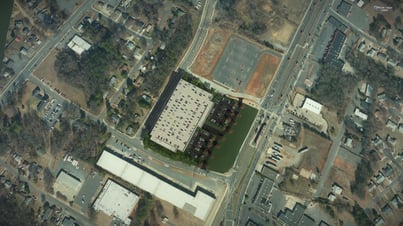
(197,203)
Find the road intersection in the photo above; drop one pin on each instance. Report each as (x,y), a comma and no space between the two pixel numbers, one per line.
(273,104)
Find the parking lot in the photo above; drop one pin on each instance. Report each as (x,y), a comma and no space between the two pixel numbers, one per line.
(124,149)
(87,193)
(237,63)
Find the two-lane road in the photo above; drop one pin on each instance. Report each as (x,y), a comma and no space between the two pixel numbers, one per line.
(80,217)
(46,48)
(201,33)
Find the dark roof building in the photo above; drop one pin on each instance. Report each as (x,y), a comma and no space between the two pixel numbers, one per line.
(292,217)
(331,55)
(337,24)
(344,8)
(269,173)
(69,221)
(388,170)
(306,221)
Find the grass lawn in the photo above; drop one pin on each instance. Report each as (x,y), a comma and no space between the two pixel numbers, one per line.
(224,154)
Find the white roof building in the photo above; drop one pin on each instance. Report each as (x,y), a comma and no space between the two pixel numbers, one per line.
(187,109)
(331,197)
(198,204)
(312,105)
(78,45)
(336,189)
(360,114)
(115,200)
(67,184)
(391,124)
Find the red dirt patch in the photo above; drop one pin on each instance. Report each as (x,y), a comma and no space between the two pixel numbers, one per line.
(263,75)
(210,52)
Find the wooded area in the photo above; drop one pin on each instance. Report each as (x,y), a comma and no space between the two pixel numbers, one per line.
(12,214)
(148,9)
(362,175)
(375,73)
(252,20)
(333,86)
(176,41)
(82,138)
(22,134)
(90,71)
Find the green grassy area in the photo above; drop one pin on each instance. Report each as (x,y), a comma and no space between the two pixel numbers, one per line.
(224,154)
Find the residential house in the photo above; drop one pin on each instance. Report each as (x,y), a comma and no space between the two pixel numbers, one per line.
(336,189)
(331,197)
(382,56)
(379,221)
(387,170)
(396,201)
(360,114)
(362,46)
(371,52)
(386,209)
(391,125)
(379,178)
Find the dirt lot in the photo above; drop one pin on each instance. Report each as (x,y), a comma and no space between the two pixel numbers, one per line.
(167,211)
(26,97)
(263,75)
(319,148)
(210,53)
(390,15)
(274,21)
(48,74)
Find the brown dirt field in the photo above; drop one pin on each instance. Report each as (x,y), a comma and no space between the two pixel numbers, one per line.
(345,166)
(263,75)
(389,16)
(282,17)
(318,151)
(182,217)
(26,96)
(283,35)
(48,74)
(210,52)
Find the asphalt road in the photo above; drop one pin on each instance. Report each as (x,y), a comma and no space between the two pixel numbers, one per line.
(333,153)
(237,198)
(201,33)
(295,57)
(291,63)
(41,54)
(80,217)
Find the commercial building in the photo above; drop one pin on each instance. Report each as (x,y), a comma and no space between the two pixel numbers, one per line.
(294,216)
(67,184)
(78,45)
(333,50)
(312,105)
(198,203)
(115,200)
(186,109)
(344,8)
